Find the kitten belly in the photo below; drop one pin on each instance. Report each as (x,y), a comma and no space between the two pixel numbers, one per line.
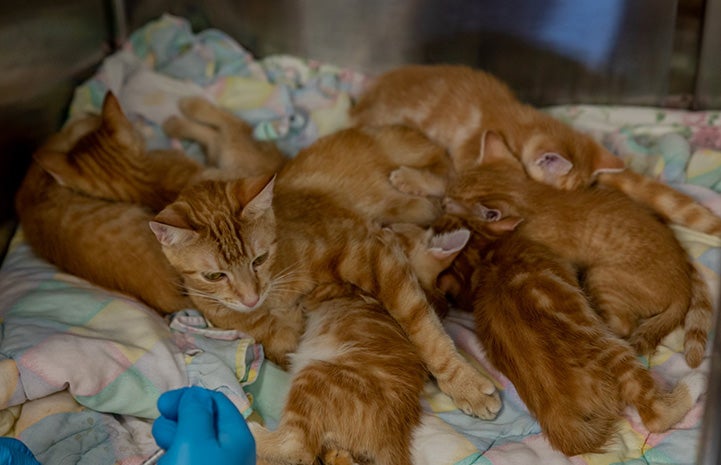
(315,346)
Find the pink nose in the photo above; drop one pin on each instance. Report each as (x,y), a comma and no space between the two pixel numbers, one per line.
(250,301)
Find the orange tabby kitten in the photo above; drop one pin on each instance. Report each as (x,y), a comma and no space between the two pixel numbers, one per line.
(357,379)
(536,324)
(111,163)
(455,105)
(639,278)
(104,242)
(246,254)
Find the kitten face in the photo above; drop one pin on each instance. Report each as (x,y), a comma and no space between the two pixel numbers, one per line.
(221,237)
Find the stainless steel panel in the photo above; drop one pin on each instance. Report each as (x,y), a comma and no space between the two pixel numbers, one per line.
(710,442)
(708,84)
(555,51)
(47,48)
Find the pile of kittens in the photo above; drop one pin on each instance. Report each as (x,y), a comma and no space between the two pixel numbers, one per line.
(341,261)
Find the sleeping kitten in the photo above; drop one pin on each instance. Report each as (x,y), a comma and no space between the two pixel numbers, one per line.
(247,254)
(537,327)
(357,379)
(639,278)
(106,243)
(111,163)
(455,105)
(114,165)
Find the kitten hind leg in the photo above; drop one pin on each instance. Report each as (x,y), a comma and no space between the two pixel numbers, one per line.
(233,146)
(647,336)
(182,128)
(204,111)
(659,410)
(632,309)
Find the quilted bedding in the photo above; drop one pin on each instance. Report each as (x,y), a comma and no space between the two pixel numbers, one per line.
(82,366)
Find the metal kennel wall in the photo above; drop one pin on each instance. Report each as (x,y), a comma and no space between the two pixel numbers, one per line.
(664,53)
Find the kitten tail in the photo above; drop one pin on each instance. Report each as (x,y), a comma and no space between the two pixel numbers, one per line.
(698,320)
(672,205)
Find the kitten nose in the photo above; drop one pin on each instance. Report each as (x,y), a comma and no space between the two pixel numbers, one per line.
(250,301)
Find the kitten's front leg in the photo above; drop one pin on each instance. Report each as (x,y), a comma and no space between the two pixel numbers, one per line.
(403,297)
(471,391)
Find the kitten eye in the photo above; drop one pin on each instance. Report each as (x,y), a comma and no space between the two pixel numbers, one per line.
(260,259)
(214,276)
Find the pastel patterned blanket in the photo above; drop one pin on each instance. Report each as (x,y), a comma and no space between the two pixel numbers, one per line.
(82,367)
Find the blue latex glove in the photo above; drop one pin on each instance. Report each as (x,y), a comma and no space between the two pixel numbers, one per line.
(197,426)
(14,452)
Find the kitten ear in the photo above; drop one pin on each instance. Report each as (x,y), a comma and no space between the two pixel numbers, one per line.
(494,149)
(256,194)
(56,164)
(114,118)
(171,229)
(444,247)
(505,225)
(606,162)
(111,110)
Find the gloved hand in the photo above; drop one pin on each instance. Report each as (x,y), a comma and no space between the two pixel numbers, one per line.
(13,451)
(199,426)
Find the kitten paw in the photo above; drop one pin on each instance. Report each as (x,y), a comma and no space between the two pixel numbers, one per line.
(474,394)
(173,127)
(696,383)
(338,457)
(405,180)
(192,105)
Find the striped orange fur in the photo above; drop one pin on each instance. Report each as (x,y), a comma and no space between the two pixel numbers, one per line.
(456,105)
(356,385)
(248,249)
(104,242)
(673,206)
(538,328)
(638,276)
